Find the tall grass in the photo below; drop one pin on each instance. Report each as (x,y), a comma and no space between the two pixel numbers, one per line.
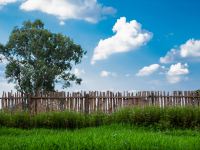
(170,117)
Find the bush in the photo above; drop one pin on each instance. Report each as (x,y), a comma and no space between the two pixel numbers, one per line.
(97,119)
(162,118)
(122,116)
(21,120)
(59,120)
(4,119)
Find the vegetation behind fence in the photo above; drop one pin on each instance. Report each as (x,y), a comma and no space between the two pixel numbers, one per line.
(88,102)
(154,117)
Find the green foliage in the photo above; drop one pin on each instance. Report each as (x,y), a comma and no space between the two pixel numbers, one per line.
(185,118)
(38,58)
(5,119)
(122,116)
(69,120)
(21,120)
(198,92)
(97,119)
(160,118)
(147,116)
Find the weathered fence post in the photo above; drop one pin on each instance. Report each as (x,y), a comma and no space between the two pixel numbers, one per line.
(30,104)
(87,102)
(35,105)
(152,99)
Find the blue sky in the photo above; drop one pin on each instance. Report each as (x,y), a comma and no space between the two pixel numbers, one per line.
(155,44)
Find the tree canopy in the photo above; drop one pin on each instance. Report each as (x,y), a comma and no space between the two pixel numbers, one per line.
(198,92)
(38,59)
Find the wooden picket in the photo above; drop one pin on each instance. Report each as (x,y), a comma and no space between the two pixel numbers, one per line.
(93,101)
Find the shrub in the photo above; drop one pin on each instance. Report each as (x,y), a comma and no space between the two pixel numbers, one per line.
(4,119)
(162,118)
(21,120)
(122,115)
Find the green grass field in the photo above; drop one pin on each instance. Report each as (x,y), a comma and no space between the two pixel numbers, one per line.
(105,137)
(173,128)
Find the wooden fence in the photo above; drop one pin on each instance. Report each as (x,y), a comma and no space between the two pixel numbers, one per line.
(88,102)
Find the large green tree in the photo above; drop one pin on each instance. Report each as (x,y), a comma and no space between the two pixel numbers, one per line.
(38,59)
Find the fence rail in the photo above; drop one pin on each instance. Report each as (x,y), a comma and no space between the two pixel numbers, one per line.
(89,102)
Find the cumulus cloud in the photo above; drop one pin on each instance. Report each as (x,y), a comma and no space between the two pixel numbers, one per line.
(5,2)
(189,51)
(171,56)
(148,70)
(128,36)
(105,73)
(79,72)
(176,72)
(88,10)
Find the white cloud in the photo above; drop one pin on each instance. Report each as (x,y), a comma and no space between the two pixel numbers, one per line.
(178,69)
(3,60)
(189,50)
(148,70)
(5,2)
(105,73)
(171,56)
(62,23)
(177,72)
(88,10)
(79,72)
(128,36)
(5,86)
